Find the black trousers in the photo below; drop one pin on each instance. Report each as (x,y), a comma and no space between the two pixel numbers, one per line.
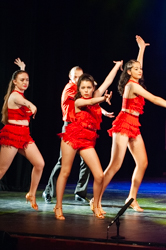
(84,174)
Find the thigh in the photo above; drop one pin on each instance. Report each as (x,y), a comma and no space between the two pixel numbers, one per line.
(137,149)
(32,153)
(92,160)
(119,147)
(7,154)
(68,155)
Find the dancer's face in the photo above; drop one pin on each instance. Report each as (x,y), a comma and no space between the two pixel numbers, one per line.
(75,74)
(136,71)
(21,82)
(86,89)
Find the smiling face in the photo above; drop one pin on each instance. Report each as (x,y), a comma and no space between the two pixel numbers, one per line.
(86,89)
(135,72)
(21,82)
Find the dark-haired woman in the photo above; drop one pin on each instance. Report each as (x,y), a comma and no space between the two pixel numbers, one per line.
(125,131)
(80,136)
(15,136)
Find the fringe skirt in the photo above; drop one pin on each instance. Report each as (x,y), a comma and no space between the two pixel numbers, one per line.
(127,124)
(79,137)
(14,135)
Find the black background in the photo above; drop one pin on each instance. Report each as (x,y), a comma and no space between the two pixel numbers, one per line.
(53,36)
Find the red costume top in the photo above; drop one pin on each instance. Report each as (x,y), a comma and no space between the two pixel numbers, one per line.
(22,113)
(127,123)
(134,104)
(15,135)
(81,133)
(67,100)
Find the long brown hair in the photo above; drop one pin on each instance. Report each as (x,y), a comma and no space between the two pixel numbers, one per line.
(124,77)
(11,87)
(84,77)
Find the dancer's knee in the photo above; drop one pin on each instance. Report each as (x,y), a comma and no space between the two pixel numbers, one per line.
(143,164)
(65,172)
(40,165)
(112,168)
(99,178)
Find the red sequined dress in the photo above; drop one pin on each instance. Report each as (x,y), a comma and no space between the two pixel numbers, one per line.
(15,135)
(81,133)
(128,123)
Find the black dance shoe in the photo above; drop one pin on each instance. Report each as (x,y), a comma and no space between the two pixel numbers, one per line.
(47,197)
(80,199)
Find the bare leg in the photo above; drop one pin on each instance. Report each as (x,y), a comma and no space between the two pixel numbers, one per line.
(91,158)
(7,154)
(119,146)
(33,154)
(138,151)
(68,154)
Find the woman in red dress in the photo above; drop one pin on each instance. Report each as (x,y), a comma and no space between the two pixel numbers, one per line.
(80,136)
(15,136)
(125,130)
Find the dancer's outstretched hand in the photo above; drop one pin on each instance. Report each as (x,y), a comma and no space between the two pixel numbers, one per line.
(108,97)
(120,63)
(109,114)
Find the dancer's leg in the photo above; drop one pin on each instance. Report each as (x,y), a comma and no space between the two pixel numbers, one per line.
(138,151)
(7,154)
(68,154)
(32,153)
(84,174)
(119,146)
(91,158)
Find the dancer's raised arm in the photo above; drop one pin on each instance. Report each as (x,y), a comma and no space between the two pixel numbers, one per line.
(142,45)
(109,79)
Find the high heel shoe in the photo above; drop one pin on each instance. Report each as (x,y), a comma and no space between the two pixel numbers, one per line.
(60,215)
(32,200)
(101,210)
(98,213)
(134,205)
(92,206)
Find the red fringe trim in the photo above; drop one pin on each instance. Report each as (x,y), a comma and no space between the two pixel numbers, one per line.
(79,137)
(127,124)
(16,136)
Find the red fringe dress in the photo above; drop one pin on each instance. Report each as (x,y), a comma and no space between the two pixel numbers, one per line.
(81,133)
(15,135)
(127,123)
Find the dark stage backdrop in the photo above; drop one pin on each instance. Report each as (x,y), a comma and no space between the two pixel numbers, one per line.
(53,36)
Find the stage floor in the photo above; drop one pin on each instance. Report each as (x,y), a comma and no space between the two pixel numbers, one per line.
(147,228)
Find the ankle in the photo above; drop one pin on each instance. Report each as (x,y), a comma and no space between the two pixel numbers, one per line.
(31,194)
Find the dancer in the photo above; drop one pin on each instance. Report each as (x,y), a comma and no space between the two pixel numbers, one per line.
(67,105)
(15,136)
(81,136)
(125,130)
